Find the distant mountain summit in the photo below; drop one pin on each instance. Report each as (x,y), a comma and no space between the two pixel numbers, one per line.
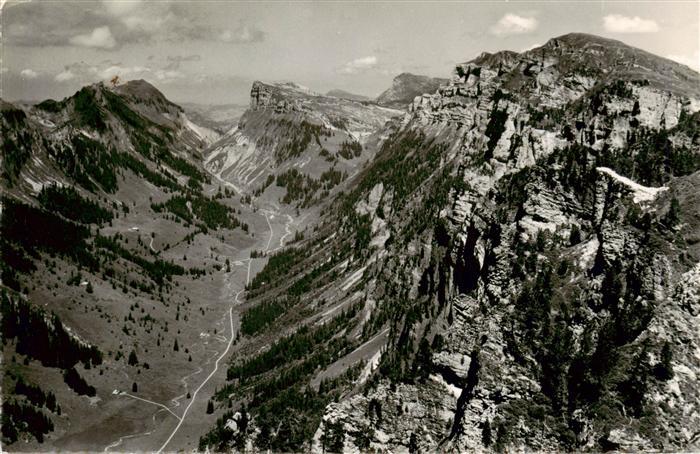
(47,142)
(305,142)
(347,95)
(220,117)
(406,87)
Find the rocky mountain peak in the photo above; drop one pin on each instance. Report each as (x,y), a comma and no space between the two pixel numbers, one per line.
(618,59)
(567,69)
(281,97)
(581,40)
(405,87)
(582,60)
(496,59)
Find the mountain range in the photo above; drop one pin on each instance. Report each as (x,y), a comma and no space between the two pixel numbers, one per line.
(504,259)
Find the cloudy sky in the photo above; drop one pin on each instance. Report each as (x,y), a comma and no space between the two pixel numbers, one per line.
(210,51)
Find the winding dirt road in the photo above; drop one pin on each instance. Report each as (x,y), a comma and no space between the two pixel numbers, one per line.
(194,395)
(237,301)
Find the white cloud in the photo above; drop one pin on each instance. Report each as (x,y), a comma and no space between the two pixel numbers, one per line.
(118,70)
(118,22)
(617,23)
(512,24)
(100,37)
(168,75)
(88,73)
(29,74)
(358,65)
(150,24)
(64,76)
(242,34)
(690,61)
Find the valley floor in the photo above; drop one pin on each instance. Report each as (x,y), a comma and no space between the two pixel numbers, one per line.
(161,416)
(163,431)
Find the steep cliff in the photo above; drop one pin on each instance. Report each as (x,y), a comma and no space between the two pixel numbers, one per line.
(515,269)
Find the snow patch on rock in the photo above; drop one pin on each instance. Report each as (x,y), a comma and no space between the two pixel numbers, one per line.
(452,389)
(640,193)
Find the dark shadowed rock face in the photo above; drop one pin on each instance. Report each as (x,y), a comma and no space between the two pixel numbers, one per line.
(407,86)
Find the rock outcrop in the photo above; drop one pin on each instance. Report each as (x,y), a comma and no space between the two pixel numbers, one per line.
(520,120)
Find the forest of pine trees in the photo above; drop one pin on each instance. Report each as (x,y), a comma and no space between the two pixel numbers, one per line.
(66,201)
(259,317)
(77,383)
(20,417)
(43,337)
(349,150)
(23,409)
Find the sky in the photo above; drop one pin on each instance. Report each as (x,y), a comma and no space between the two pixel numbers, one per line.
(209,52)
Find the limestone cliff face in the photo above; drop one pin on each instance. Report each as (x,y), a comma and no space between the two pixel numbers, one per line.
(553,280)
(279,97)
